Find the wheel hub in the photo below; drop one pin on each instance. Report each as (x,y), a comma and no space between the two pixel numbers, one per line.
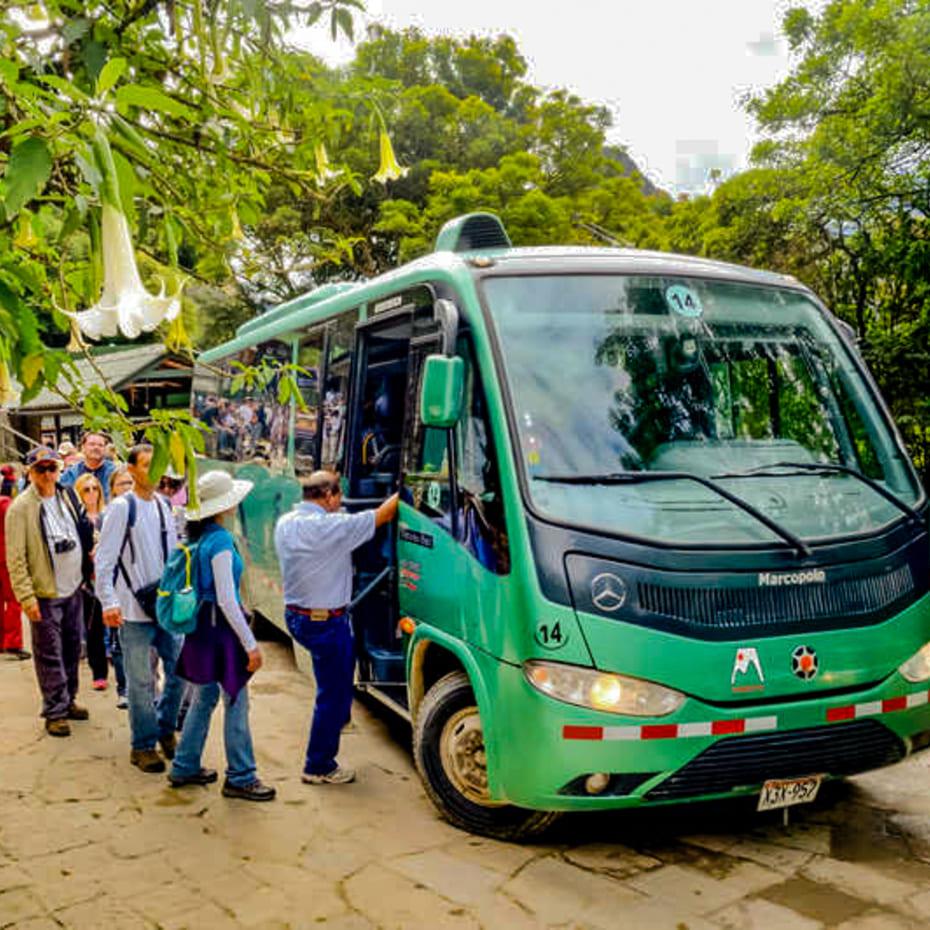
(464,760)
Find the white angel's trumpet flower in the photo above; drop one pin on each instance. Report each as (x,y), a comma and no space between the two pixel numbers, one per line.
(390,169)
(125,304)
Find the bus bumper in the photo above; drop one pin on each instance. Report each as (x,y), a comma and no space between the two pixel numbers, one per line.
(698,753)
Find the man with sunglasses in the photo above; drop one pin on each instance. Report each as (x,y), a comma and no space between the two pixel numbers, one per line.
(48,541)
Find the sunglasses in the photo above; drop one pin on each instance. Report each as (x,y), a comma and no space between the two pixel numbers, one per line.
(44,468)
(90,491)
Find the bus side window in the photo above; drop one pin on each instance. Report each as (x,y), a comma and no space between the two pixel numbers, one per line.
(310,358)
(336,391)
(481,526)
(426,455)
(250,426)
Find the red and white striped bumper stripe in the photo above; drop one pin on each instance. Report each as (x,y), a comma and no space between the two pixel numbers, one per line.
(673,730)
(874,708)
(742,725)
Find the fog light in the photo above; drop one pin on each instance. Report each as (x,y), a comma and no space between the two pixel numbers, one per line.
(596,783)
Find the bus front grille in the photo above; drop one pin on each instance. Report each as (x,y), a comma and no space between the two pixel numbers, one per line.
(748,761)
(759,609)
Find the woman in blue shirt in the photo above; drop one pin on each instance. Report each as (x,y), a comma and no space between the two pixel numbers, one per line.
(221,653)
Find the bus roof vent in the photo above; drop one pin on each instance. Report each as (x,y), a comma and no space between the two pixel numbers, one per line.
(472,231)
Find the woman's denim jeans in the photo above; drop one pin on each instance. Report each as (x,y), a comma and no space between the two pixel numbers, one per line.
(240,757)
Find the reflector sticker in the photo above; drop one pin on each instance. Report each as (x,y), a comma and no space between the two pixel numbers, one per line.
(874,708)
(673,730)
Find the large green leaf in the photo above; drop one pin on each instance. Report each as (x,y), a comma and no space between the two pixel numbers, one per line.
(110,74)
(151,98)
(26,173)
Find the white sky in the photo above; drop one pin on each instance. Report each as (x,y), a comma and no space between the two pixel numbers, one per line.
(671,71)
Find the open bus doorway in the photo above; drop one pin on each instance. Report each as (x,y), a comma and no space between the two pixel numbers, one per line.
(373,465)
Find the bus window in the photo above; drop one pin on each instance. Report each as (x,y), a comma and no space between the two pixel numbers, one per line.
(310,358)
(336,391)
(426,453)
(248,425)
(482,528)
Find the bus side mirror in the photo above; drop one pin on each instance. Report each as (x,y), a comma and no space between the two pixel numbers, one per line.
(441,391)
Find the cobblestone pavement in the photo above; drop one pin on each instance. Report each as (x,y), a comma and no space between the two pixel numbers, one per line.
(87,841)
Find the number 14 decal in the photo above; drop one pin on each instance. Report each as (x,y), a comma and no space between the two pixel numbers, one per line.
(551,635)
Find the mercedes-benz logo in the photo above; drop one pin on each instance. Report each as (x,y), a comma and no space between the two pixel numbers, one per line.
(608,592)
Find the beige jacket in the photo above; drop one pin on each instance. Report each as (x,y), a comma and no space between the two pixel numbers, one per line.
(27,556)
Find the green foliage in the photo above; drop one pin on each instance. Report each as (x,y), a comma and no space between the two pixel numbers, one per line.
(840,195)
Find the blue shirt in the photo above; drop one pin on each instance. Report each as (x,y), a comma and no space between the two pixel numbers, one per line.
(214,540)
(102,473)
(315,551)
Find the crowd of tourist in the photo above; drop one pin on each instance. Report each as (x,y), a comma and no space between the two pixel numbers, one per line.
(84,554)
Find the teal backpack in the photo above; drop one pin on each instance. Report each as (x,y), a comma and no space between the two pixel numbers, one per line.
(177,601)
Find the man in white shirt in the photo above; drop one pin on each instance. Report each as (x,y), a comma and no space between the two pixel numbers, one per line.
(130,560)
(314,543)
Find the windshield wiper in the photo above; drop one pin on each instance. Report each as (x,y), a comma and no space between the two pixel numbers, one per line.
(828,468)
(636,477)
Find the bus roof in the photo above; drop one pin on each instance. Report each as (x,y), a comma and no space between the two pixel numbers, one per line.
(332,299)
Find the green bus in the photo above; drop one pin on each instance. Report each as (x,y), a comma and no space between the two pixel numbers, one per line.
(659,540)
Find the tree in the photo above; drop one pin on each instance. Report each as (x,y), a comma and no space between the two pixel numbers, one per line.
(172,96)
(840,192)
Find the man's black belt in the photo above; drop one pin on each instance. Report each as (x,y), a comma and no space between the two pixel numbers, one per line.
(318,614)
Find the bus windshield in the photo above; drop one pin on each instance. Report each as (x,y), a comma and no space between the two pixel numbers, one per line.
(623,374)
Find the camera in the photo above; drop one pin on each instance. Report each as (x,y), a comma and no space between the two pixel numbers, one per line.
(64,545)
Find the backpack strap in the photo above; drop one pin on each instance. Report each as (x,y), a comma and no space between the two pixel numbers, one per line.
(127,539)
(160,507)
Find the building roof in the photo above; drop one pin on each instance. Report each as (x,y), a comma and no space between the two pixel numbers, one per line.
(119,365)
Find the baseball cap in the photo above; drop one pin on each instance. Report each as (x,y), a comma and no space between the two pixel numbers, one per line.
(41,454)
(7,472)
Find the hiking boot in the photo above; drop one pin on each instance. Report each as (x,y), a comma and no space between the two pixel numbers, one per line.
(338,776)
(57,727)
(76,712)
(168,744)
(148,760)
(254,792)
(203,777)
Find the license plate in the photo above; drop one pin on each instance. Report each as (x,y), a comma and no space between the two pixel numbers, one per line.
(787,792)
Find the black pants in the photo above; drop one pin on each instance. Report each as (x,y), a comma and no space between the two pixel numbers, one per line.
(95,633)
(56,652)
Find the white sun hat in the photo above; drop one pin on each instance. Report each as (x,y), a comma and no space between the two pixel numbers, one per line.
(217,492)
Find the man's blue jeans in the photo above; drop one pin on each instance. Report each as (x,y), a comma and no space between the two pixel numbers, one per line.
(148,720)
(333,651)
(240,757)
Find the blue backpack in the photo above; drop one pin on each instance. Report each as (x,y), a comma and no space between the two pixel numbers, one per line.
(177,601)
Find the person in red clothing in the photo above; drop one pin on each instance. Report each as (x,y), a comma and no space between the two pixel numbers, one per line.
(11,616)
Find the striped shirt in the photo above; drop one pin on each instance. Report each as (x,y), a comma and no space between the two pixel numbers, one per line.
(149,562)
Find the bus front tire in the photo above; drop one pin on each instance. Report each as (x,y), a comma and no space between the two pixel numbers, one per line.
(448,748)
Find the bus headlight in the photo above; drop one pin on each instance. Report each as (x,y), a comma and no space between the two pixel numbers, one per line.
(616,694)
(917,667)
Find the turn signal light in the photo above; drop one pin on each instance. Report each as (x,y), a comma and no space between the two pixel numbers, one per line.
(407,625)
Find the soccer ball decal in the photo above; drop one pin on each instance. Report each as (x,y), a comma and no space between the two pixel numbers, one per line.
(804,662)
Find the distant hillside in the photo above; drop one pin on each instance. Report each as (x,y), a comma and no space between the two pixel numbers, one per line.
(617,153)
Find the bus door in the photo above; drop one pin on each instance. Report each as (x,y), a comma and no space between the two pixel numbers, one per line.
(384,348)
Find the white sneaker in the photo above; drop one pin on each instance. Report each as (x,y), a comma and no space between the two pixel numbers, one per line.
(338,776)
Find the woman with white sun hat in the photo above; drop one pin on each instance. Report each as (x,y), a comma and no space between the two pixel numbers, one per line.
(221,653)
